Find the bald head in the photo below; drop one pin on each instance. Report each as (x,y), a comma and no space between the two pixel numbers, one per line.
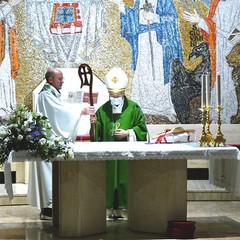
(50,72)
(54,77)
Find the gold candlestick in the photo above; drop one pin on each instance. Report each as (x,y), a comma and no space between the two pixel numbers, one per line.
(210,138)
(203,141)
(219,137)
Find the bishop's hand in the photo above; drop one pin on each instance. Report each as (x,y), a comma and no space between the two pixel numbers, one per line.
(120,134)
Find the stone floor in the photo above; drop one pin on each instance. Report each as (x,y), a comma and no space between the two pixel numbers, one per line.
(214,220)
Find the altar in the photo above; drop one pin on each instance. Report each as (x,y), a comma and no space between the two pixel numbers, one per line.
(157,184)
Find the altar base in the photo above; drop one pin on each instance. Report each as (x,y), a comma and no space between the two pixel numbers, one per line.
(157,194)
(79,198)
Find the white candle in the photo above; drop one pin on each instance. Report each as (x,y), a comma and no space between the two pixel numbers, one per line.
(208,94)
(203,93)
(218,87)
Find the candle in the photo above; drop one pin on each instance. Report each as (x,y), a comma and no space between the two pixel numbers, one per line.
(208,95)
(203,93)
(218,87)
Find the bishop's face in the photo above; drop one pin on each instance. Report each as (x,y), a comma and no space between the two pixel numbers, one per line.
(116,98)
(116,94)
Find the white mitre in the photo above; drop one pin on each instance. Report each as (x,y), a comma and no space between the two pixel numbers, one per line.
(116,80)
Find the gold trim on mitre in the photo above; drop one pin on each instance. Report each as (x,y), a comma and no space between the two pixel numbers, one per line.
(116,80)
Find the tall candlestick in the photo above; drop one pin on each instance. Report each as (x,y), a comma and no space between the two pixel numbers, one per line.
(208,95)
(218,88)
(203,93)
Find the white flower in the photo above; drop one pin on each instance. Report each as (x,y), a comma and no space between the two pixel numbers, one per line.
(60,156)
(61,143)
(20,137)
(29,117)
(51,144)
(42,141)
(39,114)
(57,139)
(3,131)
(70,154)
(27,123)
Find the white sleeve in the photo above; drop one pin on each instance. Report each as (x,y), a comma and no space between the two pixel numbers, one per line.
(131,136)
(63,120)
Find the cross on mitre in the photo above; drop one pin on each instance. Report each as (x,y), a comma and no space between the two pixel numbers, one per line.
(115,80)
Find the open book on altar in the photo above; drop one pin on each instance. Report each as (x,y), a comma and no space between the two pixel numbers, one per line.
(175,135)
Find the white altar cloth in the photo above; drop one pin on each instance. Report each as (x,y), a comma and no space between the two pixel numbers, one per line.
(143,150)
(140,151)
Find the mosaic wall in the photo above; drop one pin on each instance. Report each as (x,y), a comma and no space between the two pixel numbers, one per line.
(164,46)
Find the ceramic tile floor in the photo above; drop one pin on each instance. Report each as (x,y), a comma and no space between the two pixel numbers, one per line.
(214,220)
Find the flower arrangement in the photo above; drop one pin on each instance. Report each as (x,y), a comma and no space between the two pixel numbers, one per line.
(31,131)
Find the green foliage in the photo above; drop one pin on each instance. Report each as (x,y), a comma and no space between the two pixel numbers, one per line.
(32,131)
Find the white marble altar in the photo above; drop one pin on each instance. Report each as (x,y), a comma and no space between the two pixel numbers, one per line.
(157,184)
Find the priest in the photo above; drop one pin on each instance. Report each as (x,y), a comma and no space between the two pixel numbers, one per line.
(119,119)
(65,123)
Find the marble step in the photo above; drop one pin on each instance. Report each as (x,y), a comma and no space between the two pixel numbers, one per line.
(19,191)
(198,190)
(202,190)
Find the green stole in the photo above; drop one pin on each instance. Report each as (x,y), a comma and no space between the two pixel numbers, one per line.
(49,88)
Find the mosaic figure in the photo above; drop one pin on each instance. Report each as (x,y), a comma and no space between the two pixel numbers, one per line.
(151,28)
(9,63)
(223,18)
(66,32)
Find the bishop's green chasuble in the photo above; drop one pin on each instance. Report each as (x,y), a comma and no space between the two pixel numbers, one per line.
(131,117)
